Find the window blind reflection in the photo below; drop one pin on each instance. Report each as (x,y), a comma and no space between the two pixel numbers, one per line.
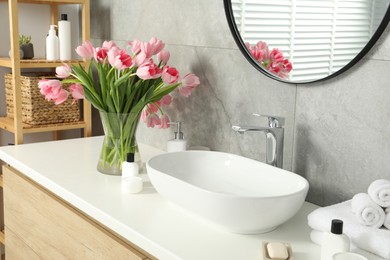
(318,37)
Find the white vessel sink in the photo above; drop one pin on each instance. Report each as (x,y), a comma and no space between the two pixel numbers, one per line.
(236,193)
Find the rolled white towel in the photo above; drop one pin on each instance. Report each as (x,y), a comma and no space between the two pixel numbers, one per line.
(379,192)
(368,213)
(387,218)
(316,237)
(374,240)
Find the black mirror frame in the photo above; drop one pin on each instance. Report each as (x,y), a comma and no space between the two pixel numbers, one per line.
(241,45)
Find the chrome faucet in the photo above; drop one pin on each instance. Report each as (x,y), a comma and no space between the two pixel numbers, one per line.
(274,133)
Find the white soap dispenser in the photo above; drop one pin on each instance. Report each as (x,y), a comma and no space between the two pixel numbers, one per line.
(52,44)
(178,143)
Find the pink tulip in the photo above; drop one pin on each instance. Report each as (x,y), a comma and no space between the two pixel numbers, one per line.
(61,97)
(119,59)
(100,54)
(157,45)
(164,122)
(184,91)
(144,114)
(169,75)
(140,59)
(152,108)
(287,65)
(148,71)
(135,46)
(261,55)
(163,56)
(86,50)
(63,71)
(275,67)
(281,69)
(166,100)
(262,46)
(108,45)
(259,51)
(77,91)
(42,85)
(50,88)
(153,120)
(189,82)
(147,49)
(152,47)
(276,55)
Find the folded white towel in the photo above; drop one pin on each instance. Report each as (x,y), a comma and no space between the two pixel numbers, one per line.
(379,192)
(368,213)
(374,240)
(316,237)
(387,218)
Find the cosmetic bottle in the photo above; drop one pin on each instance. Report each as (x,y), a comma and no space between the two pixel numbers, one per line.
(335,241)
(178,143)
(52,44)
(132,185)
(129,167)
(64,37)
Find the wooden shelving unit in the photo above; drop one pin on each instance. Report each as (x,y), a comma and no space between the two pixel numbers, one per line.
(15,125)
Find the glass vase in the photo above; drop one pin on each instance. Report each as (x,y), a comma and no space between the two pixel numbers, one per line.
(119,140)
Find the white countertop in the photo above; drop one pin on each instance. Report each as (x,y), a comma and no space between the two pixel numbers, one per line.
(68,169)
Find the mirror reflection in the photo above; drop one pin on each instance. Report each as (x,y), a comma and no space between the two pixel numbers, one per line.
(303,41)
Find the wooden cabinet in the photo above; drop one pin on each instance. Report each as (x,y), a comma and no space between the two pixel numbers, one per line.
(39,225)
(15,125)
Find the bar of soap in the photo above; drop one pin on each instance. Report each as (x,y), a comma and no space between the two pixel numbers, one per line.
(277,250)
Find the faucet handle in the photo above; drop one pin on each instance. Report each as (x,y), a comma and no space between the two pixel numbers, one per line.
(273,121)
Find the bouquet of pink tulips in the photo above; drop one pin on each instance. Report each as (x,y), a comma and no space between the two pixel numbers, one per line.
(131,83)
(130,80)
(272,60)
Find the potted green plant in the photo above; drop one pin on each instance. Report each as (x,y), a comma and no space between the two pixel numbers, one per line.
(26,46)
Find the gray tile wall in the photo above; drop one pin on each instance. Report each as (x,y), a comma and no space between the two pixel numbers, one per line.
(336,131)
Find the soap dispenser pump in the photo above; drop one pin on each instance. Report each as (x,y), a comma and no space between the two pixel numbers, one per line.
(178,143)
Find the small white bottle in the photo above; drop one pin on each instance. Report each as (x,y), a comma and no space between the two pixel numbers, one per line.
(131,182)
(335,241)
(177,144)
(129,167)
(52,44)
(64,37)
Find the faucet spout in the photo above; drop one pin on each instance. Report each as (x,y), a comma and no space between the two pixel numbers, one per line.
(274,141)
(243,129)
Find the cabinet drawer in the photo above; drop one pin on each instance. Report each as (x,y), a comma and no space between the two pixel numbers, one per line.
(17,249)
(52,228)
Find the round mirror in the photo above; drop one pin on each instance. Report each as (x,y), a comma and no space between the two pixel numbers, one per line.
(302,41)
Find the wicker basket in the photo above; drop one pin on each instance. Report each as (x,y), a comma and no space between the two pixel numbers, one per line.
(35,109)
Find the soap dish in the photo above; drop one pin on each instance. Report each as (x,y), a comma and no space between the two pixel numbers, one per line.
(267,257)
